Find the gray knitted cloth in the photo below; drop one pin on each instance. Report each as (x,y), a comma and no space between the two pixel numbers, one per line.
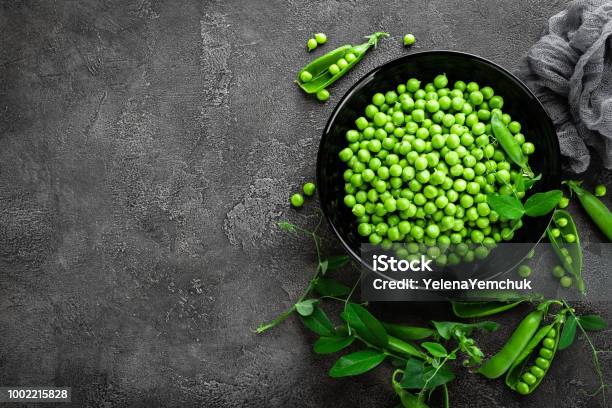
(570,70)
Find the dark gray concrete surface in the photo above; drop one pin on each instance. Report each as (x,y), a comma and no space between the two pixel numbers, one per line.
(147,149)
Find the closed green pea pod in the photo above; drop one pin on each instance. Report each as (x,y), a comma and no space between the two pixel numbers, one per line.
(508,143)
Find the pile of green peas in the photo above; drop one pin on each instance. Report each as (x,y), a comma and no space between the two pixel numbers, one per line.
(542,362)
(420,163)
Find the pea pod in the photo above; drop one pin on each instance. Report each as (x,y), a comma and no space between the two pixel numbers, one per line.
(408,333)
(405,348)
(497,365)
(319,68)
(509,143)
(523,377)
(599,213)
(481,309)
(574,250)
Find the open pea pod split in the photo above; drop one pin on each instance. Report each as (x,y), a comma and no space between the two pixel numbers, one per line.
(569,253)
(527,371)
(322,77)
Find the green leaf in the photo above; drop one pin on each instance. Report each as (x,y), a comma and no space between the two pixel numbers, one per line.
(366,325)
(336,261)
(356,363)
(531,181)
(592,322)
(435,349)
(542,203)
(447,329)
(329,287)
(519,183)
(319,323)
(407,399)
(408,333)
(413,374)
(506,206)
(287,226)
(306,307)
(567,334)
(326,345)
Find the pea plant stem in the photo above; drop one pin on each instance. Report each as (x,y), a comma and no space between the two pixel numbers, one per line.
(594,355)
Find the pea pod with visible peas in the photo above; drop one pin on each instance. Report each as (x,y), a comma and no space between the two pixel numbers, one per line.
(599,213)
(509,144)
(497,365)
(328,68)
(524,377)
(564,239)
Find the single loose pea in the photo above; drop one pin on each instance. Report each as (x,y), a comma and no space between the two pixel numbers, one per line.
(320,38)
(364,229)
(600,190)
(309,189)
(548,343)
(528,148)
(440,81)
(311,44)
(566,281)
(297,200)
(323,95)
(409,40)
(305,76)
(558,271)
(524,271)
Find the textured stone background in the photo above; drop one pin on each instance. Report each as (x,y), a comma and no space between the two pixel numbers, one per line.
(147,149)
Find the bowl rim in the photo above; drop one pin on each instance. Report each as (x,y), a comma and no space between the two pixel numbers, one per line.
(358,84)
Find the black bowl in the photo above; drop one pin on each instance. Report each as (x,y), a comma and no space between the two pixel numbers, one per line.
(519,102)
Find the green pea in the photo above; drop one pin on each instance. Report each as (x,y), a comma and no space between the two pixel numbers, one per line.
(529,378)
(555,232)
(334,69)
(548,343)
(546,353)
(558,271)
(297,200)
(409,40)
(323,95)
(309,188)
(528,148)
(320,38)
(552,333)
(543,363)
(537,371)
(600,190)
(440,81)
(342,63)
(569,238)
(350,57)
(311,44)
(524,271)
(566,281)
(522,388)
(563,202)
(562,222)
(496,102)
